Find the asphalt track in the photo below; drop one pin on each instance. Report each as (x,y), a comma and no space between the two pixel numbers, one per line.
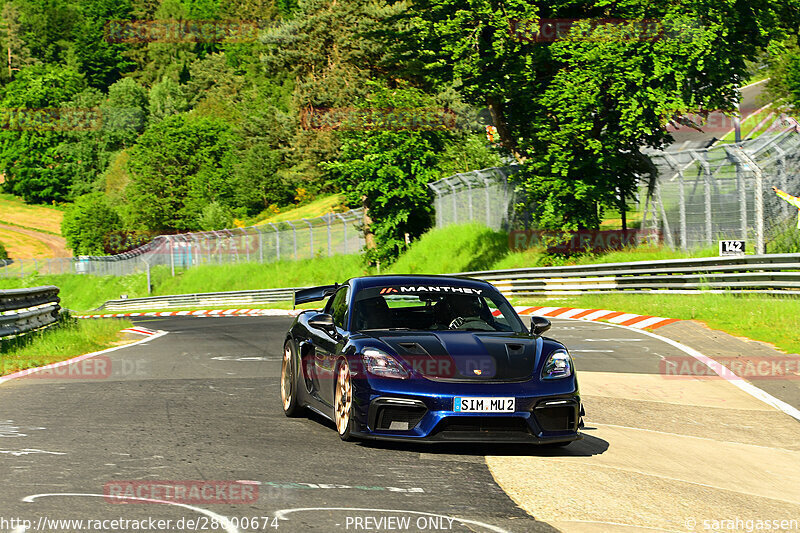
(202,403)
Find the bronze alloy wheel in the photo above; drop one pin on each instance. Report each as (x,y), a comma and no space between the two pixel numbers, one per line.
(289,382)
(343,401)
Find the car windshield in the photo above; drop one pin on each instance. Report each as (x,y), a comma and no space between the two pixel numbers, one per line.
(433,308)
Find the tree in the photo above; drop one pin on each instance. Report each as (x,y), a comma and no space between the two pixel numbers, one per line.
(11,40)
(386,167)
(179,166)
(784,72)
(330,51)
(577,109)
(35,126)
(101,61)
(166,98)
(88,223)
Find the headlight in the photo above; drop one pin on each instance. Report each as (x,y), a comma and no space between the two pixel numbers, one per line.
(381,364)
(558,365)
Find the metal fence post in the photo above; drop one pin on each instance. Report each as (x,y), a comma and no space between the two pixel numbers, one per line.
(277,241)
(260,246)
(294,233)
(783,181)
(171,255)
(344,227)
(328,218)
(707,205)
(682,209)
(664,221)
(455,206)
(310,236)
(486,183)
(469,196)
(760,244)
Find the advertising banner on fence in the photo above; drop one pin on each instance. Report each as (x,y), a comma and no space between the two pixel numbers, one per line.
(581,240)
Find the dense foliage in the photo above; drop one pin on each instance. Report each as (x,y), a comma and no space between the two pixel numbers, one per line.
(166,131)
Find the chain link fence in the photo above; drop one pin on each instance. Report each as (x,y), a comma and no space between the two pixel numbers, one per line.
(483,196)
(699,197)
(331,234)
(725,192)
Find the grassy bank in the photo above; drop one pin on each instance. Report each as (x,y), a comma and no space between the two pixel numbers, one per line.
(453,249)
(770,319)
(69,340)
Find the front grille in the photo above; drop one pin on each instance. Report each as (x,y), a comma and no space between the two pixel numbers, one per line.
(483,428)
(399,418)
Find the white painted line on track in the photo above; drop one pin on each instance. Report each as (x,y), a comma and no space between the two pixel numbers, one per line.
(281,515)
(222,520)
(27,371)
(722,371)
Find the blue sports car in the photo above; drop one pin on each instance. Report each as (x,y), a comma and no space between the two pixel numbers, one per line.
(428,358)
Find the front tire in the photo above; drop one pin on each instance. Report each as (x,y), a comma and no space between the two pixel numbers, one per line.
(343,402)
(291,407)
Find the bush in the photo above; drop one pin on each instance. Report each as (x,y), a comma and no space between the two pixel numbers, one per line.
(785,239)
(3,254)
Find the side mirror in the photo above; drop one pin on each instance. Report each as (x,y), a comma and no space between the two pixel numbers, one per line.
(539,325)
(324,322)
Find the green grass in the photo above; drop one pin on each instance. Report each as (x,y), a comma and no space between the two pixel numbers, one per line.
(536,257)
(71,339)
(772,319)
(243,276)
(317,208)
(459,248)
(84,292)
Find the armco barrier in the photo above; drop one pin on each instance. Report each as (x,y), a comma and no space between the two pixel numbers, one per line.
(208,299)
(769,274)
(24,310)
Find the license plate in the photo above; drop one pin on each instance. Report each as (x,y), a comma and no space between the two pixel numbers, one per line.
(484,405)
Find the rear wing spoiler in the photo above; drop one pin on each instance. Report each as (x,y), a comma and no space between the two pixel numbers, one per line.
(314,294)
